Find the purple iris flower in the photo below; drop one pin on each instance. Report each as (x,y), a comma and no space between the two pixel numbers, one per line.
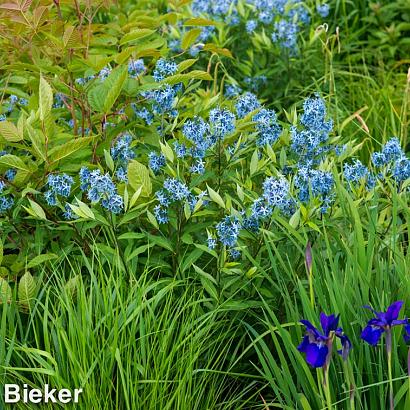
(383,322)
(318,345)
(406,335)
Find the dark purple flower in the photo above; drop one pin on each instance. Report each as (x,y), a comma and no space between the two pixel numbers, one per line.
(318,345)
(382,322)
(406,335)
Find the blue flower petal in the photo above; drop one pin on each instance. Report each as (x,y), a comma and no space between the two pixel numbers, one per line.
(329,323)
(393,310)
(406,335)
(399,322)
(310,328)
(305,343)
(372,334)
(316,354)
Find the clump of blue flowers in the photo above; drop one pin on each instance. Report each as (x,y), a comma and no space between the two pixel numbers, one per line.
(164,68)
(174,191)
(267,127)
(222,122)
(136,68)
(122,154)
(101,189)
(228,231)
(59,185)
(156,162)
(314,183)
(6,201)
(392,160)
(356,174)
(247,103)
(310,143)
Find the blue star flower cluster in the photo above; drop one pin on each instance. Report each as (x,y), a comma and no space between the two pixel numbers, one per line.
(122,154)
(6,201)
(174,191)
(100,188)
(391,160)
(59,185)
(310,143)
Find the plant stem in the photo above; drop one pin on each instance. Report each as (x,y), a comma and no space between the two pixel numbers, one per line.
(408,374)
(350,382)
(326,388)
(389,367)
(326,385)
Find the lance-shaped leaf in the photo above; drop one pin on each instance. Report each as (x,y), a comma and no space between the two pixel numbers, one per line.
(138,176)
(10,132)
(26,290)
(45,99)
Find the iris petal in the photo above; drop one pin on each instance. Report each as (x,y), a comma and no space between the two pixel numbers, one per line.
(329,323)
(305,342)
(399,322)
(372,334)
(393,310)
(316,354)
(310,327)
(406,335)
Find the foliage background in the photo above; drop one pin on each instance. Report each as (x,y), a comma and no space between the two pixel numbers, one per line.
(142,314)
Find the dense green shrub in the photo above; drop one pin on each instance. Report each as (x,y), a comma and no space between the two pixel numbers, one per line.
(197,154)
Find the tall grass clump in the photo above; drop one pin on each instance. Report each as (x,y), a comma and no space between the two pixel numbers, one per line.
(129,342)
(205,204)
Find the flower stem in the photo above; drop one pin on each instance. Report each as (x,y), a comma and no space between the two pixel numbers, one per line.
(312,294)
(389,366)
(408,374)
(350,382)
(326,385)
(326,388)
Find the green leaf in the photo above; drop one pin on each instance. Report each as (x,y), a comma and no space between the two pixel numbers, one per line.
(152,219)
(37,142)
(190,37)
(96,98)
(216,197)
(208,282)
(138,176)
(186,64)
(36,210)
(295,219)
(45,98)
(199,22)
(139,250)
(135,197)
(108,160)
(103,97)
(114,84)
(160,241)
(254,162)
(72,285)
(82,210)
(26,290)
(60,152)
(5,291)
(136,35)
(10,132)
(183,78)
(38,260)
(12,161)
(167,151)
